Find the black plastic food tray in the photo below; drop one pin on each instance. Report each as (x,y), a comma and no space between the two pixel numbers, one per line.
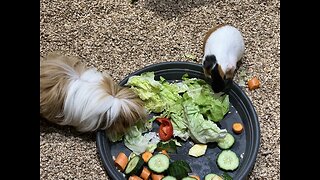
(241,110)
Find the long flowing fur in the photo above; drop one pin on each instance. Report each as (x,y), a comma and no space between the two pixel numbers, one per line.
(71,94)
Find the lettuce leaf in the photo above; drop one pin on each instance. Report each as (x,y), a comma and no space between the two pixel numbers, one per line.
(138,143)
(148,90)
(200,129)
(191,105)
(201,94)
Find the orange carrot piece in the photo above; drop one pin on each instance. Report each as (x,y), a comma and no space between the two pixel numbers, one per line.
(164,152)
(253,83)
(146,156)
(155,176)
(121,161)
(145,174)
(237,127)
(195,176)
(134,177)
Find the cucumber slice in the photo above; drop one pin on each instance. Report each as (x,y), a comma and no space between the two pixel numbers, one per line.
(159,163)
(212,176)
(169,178)
(228,160)
(226,142)
(134,166)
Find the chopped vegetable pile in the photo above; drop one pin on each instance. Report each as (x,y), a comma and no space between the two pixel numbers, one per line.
(191,105)
(186,109)
(159,166)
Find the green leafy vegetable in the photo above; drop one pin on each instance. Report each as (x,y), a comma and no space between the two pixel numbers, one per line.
(191,105)
(148,90)
(138,143)
(200,94)
(226,176)
(169,146)
(201,130)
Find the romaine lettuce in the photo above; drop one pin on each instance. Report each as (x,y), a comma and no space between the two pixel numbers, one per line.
(191,105)
(138,143)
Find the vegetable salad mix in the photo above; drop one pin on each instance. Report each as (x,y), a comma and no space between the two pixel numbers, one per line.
(192,106)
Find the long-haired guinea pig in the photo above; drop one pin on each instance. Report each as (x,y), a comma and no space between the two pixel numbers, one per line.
(223,47)
(71,94)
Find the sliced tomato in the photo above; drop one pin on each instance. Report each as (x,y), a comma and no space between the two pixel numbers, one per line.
(162,120)
(166,129)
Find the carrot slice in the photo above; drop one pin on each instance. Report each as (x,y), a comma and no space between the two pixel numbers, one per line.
(145,174)
(237,127)
(195,176)
(253,83)
(164,152)
(146,156)
(121,161)
(155,176)
(134,177)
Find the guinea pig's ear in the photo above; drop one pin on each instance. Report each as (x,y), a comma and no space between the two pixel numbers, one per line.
(209,62)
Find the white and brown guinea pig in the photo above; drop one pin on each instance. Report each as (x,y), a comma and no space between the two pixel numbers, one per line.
(71,94)
(223,47)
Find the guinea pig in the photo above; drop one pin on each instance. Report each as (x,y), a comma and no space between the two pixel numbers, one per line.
(223,47)
(75,95)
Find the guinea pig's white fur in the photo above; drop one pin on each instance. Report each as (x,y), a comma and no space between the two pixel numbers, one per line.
(71,94)
(226,43)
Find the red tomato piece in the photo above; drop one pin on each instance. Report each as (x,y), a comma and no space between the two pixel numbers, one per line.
(166,129)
